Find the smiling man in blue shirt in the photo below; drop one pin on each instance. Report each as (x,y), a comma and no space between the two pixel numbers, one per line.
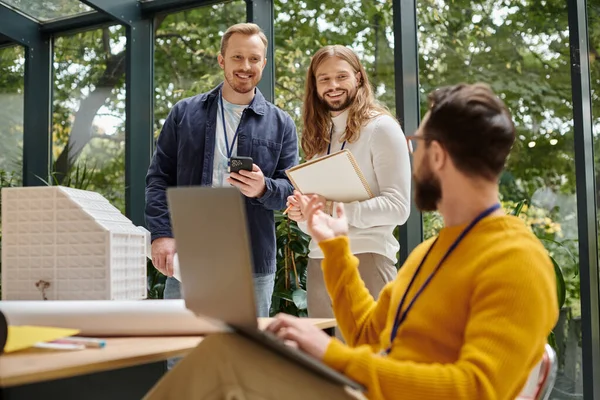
(199,137)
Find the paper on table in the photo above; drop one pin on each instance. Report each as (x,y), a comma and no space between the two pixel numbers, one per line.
(24,337)
(176,270)
(112,317)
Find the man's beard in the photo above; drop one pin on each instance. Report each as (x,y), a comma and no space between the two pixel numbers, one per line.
(350,97)
(244,88)
(428,190)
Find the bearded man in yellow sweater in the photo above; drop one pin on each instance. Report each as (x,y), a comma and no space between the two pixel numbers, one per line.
(469,312)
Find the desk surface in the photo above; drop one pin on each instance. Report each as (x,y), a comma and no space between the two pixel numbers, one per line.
(36,365)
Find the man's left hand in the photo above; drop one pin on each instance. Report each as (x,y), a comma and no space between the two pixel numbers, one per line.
(250,183)
(301,333)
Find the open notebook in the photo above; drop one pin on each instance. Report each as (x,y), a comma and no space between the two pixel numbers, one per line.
(337,177)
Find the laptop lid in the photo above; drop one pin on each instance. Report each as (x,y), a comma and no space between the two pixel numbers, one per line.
(215,259)
(213,248)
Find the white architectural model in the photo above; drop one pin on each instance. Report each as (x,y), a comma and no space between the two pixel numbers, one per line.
(60,243)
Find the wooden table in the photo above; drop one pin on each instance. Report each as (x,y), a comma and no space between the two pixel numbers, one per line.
(128,366)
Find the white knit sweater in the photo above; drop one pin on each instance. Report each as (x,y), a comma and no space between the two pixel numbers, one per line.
(382,154)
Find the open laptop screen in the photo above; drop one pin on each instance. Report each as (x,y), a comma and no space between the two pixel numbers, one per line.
(213,248)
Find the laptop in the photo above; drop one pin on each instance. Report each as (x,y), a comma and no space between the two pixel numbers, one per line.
(215,261)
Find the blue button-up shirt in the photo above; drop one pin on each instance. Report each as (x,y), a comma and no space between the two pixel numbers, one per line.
(184,157)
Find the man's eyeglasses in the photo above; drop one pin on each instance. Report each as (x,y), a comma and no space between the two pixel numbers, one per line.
(412,141)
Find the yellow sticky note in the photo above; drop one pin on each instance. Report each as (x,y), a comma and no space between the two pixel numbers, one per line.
(24,336)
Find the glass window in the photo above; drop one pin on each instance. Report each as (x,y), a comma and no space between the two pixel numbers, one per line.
(187,44)
(12,72)
(594,40)
(88,122)
(593,13)
(513,47)
(47,10)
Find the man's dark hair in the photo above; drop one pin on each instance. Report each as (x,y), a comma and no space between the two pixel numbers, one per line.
(473,125)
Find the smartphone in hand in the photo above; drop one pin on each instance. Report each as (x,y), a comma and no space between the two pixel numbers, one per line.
(236,164)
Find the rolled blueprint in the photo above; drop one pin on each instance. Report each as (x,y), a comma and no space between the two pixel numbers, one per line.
(112,317)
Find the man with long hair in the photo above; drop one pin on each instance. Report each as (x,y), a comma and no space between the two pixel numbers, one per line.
(200,136)
(340,112)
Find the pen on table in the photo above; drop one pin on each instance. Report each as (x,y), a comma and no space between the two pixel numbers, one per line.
(59,346)
(87,342)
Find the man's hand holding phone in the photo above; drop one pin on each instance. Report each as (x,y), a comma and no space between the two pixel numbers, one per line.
(247,177)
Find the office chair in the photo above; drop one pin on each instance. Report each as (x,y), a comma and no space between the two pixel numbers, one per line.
(542,378)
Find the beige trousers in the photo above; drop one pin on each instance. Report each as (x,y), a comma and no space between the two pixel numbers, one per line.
(375,270)
(227,366)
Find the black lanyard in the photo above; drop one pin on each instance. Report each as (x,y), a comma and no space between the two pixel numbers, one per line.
(227,147)
(399,319)
(330,139)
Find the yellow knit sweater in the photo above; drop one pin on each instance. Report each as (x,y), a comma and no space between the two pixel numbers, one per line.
(476,331)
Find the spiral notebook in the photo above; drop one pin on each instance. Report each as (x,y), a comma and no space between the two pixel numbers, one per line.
(337,177)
